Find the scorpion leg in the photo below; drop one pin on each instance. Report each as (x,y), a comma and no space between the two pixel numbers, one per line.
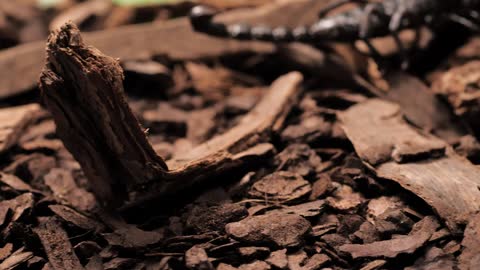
(336,4)
(473,26)
(474,14)
(365,34)
(365,21)
(394,27)
(375,55)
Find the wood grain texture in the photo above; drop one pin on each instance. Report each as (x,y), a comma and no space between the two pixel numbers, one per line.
(13,121)
(83,90)
(379,134)
(449,183)
(56,243)
(470,257)
(408,244)
(423,108)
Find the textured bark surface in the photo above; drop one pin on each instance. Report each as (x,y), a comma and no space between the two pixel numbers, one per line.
(447,182)
(83,90)
(57,245)
(470,257)
(379,134)
(232,155)
(13,121)
(460,86)
(421,232)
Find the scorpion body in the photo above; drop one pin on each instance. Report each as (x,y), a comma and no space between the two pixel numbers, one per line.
(367,21)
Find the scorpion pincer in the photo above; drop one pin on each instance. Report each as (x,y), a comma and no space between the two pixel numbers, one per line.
(367,21)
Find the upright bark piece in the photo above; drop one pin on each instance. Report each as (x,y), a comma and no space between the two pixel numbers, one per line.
(448,183)
(83,90)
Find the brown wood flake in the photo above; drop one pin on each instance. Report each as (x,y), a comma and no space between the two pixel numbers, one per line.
(421,232)
(64,188)
(288,230)
(13,121)
(460,86)
(15,182)
(15,259)
(379,134)
(449,183)
(57,245)
(5,251)
(470,257)
(18,205)
(76,218)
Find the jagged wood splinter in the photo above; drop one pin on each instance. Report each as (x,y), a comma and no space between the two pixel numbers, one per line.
(83,90)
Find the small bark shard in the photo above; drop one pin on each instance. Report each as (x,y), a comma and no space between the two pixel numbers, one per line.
(13,121)
(18,257)
(14,182)
(380,134)
(214,218)
(288,230)
(79,220)
(470,257)
(306,210)
(420,234)
(19,205)
(57,245)
(281,187)
(129,236)
(460,86)
(298,158)
(5,251)
(64,188)
(278,259)
(197,258)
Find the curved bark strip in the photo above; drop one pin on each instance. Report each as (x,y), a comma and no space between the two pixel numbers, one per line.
(83,90)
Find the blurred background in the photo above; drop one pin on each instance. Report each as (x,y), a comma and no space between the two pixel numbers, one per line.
(29,20)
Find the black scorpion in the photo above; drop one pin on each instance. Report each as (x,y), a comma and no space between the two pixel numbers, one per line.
(368,21)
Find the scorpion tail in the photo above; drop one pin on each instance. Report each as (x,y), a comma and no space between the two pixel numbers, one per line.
(201,18)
